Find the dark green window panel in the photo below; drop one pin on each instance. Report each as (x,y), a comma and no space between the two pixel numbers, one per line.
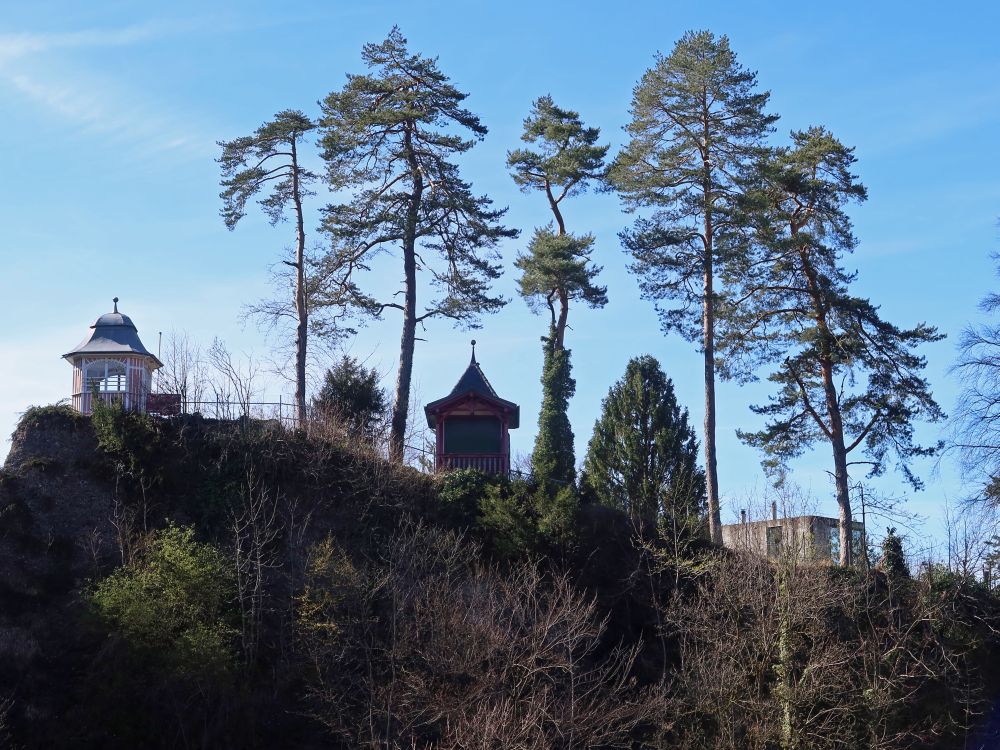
(472,435)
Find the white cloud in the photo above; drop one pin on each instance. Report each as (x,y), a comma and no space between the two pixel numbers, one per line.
(27,43)
(32,66)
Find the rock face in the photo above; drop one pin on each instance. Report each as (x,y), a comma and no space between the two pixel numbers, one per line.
(55,529)
(51,479)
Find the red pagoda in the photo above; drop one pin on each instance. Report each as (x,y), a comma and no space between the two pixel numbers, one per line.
(472,424)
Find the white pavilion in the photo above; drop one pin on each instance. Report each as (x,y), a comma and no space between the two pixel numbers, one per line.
(113,364)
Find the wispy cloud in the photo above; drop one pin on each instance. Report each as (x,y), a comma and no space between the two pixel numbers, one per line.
(27,43)
(34,66)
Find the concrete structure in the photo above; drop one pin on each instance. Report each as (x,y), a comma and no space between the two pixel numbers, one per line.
(112,363)
(815,538)
(471,424)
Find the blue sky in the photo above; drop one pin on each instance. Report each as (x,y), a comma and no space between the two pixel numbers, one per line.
(112,110)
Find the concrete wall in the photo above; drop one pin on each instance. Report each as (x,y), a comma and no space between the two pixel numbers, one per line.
(809,536)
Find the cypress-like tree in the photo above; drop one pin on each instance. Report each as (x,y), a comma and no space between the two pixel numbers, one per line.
(698,123)
(557,268)
(389,138)
(270,160)
(553,458)
(893,560)
(846,376)
(643,456)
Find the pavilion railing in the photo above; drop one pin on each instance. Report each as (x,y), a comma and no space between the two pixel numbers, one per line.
(489,463)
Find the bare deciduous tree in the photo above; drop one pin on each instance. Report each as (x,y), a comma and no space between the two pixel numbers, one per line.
(235,381)
(470,657)
(255,529)
(183,371)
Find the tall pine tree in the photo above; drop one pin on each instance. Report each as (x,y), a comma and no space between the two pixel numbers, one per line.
(698,123)
(846,376)
(269,160)
(389,138)
(563,160)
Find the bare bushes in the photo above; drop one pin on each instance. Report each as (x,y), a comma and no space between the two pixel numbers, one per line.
(448,653)
(802,656)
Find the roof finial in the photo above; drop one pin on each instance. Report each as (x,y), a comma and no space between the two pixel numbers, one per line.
(474,352)
(115,300)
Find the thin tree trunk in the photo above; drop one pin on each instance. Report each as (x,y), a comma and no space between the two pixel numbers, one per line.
(835,429)
(401,402)
(840,475)
(708,336)
(301,310)
(711,466)
(561,323)
(560,336)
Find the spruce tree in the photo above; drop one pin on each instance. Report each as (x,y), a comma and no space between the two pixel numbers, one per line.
(389,138)
(352,395)
(698,123)
(557,268)
(844,376)
(643,456)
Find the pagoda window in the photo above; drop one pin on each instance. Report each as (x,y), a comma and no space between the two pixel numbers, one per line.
(107,376)
(473,434)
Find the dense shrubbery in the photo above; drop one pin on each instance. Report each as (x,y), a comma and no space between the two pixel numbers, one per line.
(317,596)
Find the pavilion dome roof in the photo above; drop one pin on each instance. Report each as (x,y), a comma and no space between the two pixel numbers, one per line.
(113,333)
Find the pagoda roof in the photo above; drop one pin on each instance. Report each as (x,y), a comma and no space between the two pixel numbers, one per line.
(113,333)
(473,382)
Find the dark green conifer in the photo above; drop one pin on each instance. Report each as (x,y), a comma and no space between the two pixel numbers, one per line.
(553,458)
(893,559)
(352,395)
(643,456)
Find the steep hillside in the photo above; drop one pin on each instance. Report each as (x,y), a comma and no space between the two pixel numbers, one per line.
(196,584)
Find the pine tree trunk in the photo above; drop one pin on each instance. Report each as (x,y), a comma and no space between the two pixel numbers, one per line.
(401,401)
(840,474)
(301,309)
(711,466)
(835,428)
(708,333)
(560,332)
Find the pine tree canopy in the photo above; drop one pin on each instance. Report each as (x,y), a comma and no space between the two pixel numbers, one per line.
(389,138)
(643,456)
(559,262)
(845,375)
(265,159)
(696,140)
(566,158)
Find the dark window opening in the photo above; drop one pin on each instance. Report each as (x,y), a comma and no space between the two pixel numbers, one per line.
(472,435)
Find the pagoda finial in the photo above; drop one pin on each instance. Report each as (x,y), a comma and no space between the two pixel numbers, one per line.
(474,352)
(115,300)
